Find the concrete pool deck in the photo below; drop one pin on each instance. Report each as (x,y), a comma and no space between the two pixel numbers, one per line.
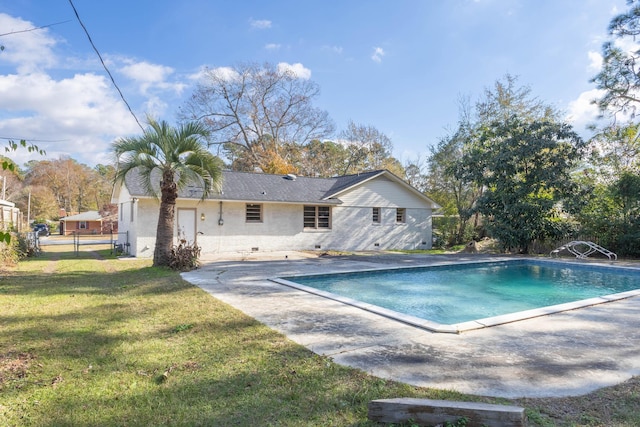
(563,354)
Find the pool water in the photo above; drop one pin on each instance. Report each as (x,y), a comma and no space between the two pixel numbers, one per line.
(460,293)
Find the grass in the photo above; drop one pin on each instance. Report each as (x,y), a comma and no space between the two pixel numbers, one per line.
(95,341)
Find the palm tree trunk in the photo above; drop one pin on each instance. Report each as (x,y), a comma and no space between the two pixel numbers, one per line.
(166,218)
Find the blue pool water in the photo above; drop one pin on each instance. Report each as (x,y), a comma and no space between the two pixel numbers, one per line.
(460,293)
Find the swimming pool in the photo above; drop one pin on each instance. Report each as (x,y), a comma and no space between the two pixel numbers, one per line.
(455,298)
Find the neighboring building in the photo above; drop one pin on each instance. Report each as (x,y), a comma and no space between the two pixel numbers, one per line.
(10,216)
(89,222)
(261,212)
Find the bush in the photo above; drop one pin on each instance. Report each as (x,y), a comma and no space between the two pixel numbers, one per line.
(9,253)
(446,229)
(184,256)
(20,246)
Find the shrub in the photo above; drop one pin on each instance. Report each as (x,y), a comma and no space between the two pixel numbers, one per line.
(20,246)
(184,256)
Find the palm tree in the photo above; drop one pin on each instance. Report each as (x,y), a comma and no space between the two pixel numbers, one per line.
(167,159)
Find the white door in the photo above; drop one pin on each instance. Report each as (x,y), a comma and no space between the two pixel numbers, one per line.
(187,225)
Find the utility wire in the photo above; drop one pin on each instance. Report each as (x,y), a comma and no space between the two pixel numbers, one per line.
(105,65)
(33,29)
(33,140)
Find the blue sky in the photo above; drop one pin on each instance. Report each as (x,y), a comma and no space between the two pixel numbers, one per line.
(398,65)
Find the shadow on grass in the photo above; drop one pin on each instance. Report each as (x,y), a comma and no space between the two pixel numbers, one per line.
(293,387)
(142,347)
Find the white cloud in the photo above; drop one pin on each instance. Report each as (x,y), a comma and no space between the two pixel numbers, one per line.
(70,116)
(260,24)
(272,46)
(146,72)
(29,51)
(75,113)
(582,111)
(298,69)
(151,76)
(595,61)
(225,73)
(334,49)
(378,53)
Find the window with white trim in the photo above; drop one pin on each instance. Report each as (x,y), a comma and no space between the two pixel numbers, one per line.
(317,217)
(253,213)
(82,225)
(375,215)
(401,215)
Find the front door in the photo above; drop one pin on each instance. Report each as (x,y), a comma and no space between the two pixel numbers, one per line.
(187,225)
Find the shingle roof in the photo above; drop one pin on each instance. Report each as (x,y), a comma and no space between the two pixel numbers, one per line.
(84,216)
(275,188)
(260,187)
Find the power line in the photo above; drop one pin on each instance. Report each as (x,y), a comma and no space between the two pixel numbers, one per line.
(104,65)
(32,140)
(34,28)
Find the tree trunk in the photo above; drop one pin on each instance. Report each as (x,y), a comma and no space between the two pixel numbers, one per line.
(166,218)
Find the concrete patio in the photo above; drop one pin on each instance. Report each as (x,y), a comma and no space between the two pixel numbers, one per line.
(563,354)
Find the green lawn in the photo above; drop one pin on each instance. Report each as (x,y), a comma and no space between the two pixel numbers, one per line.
(95,341)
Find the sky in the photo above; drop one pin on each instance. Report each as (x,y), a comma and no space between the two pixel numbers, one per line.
(401,66)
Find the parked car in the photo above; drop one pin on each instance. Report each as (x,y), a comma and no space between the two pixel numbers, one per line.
(41,229)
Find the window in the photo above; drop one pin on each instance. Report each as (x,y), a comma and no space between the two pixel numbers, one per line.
(253,213)
(375,215)
(401,215)
(82,225)
(317,217)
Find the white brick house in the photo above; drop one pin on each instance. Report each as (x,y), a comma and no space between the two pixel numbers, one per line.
(262,212)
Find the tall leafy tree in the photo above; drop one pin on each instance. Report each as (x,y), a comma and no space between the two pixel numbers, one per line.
(415,173)
(505,99)
(76,186)
(254,111)
(322,158)
(615,150)
(455,163)
(168,159)
(455,194)
(619,77)
(525,168)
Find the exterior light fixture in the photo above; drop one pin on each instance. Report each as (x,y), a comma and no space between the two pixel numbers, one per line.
(202,216)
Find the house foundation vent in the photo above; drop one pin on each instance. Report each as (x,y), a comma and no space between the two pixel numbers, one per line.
(255,249)
(318,247)
(377,245)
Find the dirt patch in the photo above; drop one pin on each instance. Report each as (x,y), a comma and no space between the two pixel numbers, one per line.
(595,409)
(14,367)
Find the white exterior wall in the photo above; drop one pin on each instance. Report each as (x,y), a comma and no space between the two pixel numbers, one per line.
(129,224)
(281,228)
(353,223)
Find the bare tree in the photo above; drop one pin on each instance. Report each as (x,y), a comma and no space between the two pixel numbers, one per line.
(368,149)
(251,110)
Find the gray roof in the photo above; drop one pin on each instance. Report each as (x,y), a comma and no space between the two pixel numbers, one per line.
(84,216)
(260,187)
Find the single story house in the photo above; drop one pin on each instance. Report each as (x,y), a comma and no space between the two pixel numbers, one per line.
(262,212)
(89,222)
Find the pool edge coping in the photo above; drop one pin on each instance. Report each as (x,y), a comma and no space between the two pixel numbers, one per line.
(458,328)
